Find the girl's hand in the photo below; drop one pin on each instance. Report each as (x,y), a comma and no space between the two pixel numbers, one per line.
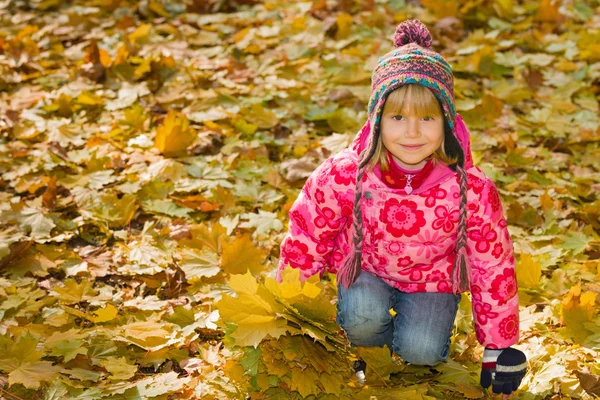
(503,370)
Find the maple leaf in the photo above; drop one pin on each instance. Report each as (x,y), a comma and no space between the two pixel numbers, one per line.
(577,309)
(105,314)
(529,271)
(199,263)
(241,256)
(32,374)
(67,348)
(291,285)
(112,209)
(174,135)
(264,222)
(454,372)
(74,292)
(161,384)
(36,222)
(379,362)
(7,237)
(577,242)
(254,311)
(16,352)
(119,368)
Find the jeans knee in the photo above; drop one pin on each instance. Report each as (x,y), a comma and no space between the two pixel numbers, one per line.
(362,331)
(424,354)
(360,335)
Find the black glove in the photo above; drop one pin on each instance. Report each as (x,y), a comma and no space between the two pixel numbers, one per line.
(503,369)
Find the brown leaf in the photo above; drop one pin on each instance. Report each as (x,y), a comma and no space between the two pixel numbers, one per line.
(589,382)
(93,68)
(49,196)
(298,169)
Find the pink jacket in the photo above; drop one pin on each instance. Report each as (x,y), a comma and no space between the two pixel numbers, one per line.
(409,239)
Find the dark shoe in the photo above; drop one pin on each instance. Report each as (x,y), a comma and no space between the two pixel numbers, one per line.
(360,366)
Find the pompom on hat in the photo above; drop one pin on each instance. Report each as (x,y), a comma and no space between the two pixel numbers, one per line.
(412,61)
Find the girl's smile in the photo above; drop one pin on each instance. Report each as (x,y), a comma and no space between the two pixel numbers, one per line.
(415,147)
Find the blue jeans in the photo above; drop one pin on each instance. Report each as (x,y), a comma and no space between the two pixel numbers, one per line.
(419,333)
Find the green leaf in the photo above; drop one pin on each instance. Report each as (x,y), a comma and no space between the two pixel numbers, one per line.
(251,361)
(167,207)
(264,222)
(577,242)
(453,372)
(68,349)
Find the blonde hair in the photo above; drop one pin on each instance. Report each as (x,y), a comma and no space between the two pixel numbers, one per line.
(424,103)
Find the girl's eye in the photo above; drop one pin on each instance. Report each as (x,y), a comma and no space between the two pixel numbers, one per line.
(399,117)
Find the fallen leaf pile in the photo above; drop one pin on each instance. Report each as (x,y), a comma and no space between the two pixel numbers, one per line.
(150,152)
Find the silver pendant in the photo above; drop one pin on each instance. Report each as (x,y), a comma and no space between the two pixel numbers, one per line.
(408,188)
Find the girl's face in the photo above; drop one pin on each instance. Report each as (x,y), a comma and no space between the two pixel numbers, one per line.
(411,137)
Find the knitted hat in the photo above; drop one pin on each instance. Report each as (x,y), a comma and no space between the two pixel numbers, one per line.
(412,62)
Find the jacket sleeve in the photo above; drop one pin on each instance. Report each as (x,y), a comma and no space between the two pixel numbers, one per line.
(494,285)
(317,217)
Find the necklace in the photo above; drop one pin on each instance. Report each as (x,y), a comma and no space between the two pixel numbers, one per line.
(408,188)
(408,181)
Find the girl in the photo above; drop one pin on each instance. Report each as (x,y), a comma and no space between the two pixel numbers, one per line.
(408,222)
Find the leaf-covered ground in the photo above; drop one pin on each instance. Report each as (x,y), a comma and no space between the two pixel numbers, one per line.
(149,153)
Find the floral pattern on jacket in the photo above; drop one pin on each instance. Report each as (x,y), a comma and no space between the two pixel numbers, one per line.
(409,239)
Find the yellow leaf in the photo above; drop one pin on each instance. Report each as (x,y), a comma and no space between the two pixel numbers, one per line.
(143,68)
(380,360)
(577,309)
(529,271)
(303,380)
(261,117)
(242,255)
(504,8)
(239,36)
(548,11)
(158,9)
(119,368)
(344,25)
(14,354)
(117,212)
(145,329)
(291,286)
(442,8)
(547,202)
(31,374)
(141,33)
(74,292)
(254,311)
(174,135)
(104,314)
(89,99)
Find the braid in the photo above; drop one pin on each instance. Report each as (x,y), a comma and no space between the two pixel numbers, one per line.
(353,262)
(461,270)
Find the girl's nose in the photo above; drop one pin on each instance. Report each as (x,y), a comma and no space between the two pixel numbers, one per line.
(412,128)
